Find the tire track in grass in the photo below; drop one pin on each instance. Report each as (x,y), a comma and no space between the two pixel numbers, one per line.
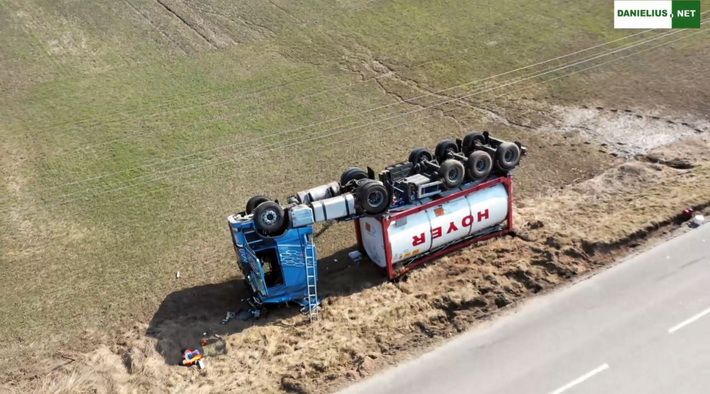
(156,28)
(54,127)
(344,117)
(209,163)
(187,23)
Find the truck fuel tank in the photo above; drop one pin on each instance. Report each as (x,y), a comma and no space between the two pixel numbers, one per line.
(318,193)
(337,207)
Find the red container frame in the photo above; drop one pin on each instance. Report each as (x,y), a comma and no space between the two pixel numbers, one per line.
(393,272)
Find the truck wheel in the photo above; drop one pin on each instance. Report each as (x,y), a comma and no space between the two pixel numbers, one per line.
(508,155)
(269,218)
(479,165)
(351,174)
(451,173)
(254,202)
(443,148)
(372,197)
(469,142)
(420,154)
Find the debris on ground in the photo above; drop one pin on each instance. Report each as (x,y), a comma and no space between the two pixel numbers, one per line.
(355,256)
(213,345)
(697,220)
(687,213)
(251,313)
(192,357)
(230,316)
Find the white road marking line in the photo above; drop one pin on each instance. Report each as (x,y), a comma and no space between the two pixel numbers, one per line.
(582,378)
(686,322)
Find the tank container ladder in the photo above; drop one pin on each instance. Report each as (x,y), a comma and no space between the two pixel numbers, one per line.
(311,279)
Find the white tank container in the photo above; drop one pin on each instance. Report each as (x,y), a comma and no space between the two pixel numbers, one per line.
(450,221)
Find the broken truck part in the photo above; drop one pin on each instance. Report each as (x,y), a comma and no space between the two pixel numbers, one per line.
(410,213)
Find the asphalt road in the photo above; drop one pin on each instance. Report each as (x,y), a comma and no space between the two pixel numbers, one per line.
(642,326)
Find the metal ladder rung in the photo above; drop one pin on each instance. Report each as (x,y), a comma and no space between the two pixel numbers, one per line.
(311,283)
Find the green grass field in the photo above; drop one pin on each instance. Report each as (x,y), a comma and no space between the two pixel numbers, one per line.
(131,128)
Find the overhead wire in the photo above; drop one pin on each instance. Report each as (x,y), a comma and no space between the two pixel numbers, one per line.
(345,116)
(356,126)
(206,92)
(457,98)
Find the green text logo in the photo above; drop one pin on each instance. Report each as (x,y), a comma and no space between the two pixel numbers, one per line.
(651,14)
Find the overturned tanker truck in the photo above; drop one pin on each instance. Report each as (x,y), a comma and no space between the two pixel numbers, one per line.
(410,213)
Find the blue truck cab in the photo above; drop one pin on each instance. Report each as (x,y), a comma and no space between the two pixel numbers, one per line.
(279,268)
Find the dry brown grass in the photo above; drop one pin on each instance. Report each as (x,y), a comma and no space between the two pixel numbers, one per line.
(562,236)
(102,90)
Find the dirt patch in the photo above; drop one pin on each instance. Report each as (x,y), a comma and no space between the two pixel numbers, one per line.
(626,132)
(364,328)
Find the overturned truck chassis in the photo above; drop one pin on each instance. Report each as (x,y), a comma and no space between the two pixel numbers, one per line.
(409,213)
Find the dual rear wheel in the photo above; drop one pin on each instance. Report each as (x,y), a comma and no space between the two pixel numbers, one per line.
(479,165)
(453,171)
(478,162)
(371,196)
(507,154)
(269,216)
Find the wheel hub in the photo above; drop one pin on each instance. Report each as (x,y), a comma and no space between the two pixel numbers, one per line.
(269,217)
(375,198)
(453,174)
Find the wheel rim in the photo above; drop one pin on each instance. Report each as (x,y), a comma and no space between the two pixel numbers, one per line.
(480,165)
(269,217)
(453,175)
(509,155)
(375,198)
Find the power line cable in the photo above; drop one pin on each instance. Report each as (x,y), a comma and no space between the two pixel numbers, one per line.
(458,98)
(355,126)
(338,118)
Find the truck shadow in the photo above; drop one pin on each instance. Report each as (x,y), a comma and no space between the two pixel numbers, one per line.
(188,314)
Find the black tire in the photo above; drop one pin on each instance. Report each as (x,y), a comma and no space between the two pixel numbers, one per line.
(420,154)
(451,173)
(351,174)
(479,165)
(270,218)
(254,202)
(443,148)
(372,197)
(507,155)
(470,140)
